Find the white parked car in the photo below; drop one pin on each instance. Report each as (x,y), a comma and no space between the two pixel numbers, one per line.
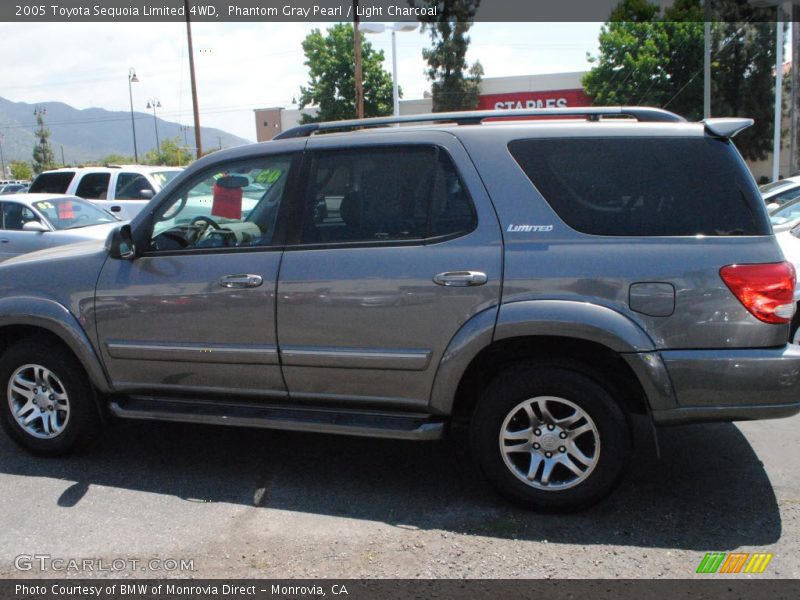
(30,222)
(785,217)
(123,190)
(790,244)
(778,193)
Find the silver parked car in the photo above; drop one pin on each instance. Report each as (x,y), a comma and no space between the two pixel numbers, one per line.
(31,222)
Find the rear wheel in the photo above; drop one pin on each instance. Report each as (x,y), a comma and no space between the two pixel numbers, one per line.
(549,437)
(48,404)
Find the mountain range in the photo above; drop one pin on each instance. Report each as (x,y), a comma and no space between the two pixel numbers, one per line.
(92,133)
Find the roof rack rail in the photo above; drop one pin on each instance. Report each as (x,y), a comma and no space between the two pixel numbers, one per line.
(592,113)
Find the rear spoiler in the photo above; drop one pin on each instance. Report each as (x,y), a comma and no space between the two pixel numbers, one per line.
(726,127)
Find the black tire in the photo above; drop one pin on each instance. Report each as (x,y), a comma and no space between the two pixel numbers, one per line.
(83,424)
(525,381)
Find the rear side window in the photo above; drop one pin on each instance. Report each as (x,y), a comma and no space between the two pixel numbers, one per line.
(52,183)
(94,186)
(645,186)
(385,194)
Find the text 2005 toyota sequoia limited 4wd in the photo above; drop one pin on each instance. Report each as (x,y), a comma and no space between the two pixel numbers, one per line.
(546,280)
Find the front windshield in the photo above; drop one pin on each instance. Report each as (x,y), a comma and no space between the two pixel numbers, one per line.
(72,213)
(162,178)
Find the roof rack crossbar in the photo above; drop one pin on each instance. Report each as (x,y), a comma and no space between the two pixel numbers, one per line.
(593,113)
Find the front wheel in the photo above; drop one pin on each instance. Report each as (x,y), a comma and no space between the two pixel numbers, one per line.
(549,437)
(47,402)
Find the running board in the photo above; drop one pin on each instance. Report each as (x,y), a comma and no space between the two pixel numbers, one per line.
(342,422)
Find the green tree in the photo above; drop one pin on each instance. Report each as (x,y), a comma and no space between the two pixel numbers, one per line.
(172,154)
(116,159)
(648,61)
(646,58)
(20,170)
(43,158)
(743,73)
(331,70)
(454,85)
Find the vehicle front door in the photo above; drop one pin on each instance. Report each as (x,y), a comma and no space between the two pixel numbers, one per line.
(195,313)
(13,240)
(132,192)
(395,251)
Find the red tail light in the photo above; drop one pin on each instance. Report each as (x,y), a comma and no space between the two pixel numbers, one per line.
(766,290)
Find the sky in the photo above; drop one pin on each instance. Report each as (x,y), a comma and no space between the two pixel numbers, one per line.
(240,66)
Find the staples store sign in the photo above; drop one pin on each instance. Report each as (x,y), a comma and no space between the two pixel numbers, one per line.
(517,100)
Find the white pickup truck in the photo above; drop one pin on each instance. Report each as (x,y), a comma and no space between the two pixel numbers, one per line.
(122,190)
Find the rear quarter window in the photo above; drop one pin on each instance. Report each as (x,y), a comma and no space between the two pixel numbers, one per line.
(645,186)
(52,183)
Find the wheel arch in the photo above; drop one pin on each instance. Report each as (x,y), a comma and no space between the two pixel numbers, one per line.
(25,317)
(595,337)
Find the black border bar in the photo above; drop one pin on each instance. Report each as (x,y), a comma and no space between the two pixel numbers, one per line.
(314,11)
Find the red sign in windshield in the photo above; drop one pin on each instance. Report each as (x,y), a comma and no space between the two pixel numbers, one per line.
(550,99)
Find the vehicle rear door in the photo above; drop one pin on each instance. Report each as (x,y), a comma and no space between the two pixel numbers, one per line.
(396,248)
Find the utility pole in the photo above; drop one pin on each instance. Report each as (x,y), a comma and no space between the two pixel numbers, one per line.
(357,52)
(197,140)
(219,141)
(706,60)
(63,162)
(2,160)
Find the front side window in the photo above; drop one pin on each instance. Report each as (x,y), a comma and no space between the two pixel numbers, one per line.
(236,205)
(384,194)
(133,186)
(15,215)
(94,186)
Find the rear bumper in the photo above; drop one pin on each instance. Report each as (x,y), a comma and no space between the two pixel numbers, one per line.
(731,385)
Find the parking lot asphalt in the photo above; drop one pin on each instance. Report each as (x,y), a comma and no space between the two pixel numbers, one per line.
(257,503)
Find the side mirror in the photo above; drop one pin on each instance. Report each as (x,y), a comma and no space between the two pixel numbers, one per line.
(120,243)
(35,226)
(146,194)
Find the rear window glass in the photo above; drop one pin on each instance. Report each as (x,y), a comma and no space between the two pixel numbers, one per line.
(52,183)
(645,186)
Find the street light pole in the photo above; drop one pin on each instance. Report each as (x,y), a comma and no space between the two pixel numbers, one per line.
(133,79)
(155,103)
(395,92)
(776,142)
(380,28)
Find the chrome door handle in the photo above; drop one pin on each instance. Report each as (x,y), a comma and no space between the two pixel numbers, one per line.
(241,281)
(460,278)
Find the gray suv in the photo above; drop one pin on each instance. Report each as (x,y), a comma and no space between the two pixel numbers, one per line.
(545,281)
